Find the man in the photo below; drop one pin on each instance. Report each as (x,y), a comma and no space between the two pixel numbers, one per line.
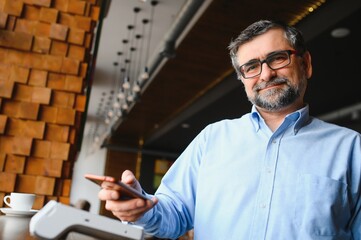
(275,173)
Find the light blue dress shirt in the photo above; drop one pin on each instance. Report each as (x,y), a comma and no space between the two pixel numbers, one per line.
(239,180)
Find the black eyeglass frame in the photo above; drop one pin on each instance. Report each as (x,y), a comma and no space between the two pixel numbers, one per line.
(289,53)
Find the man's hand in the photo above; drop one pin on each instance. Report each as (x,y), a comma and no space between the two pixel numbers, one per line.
(126,210)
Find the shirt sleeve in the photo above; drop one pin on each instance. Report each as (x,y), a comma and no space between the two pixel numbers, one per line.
(356,172)
(174,213)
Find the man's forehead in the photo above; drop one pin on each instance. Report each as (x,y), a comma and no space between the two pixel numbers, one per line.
(260,46)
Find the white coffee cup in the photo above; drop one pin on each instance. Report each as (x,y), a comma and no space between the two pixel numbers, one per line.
(20,201)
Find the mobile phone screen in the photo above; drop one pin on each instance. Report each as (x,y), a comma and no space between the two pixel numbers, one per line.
(126,192)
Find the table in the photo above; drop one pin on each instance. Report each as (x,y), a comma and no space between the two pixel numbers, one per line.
(17,228)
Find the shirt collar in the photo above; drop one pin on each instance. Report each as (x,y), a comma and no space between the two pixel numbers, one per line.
(299,118)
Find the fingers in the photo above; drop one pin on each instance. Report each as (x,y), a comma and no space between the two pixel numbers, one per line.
(106,194)
(128,177)
(129,210)
(126,210)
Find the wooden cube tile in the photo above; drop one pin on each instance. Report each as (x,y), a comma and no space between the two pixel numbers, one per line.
(44,167)
(92,2)
(2,161)
(50,198)
(3,121)
(49,15)
(45,185)
(13,57)
(41,149)
(41,95)
(76,36)
(14,164)
(10,24)
(76,7)
(59,48)
(66,116)
(83,70)
(4,71)
(58,186)
(25,128)
(35,184)
(39,202)
(19,74)
(56,133)
(23,93)
(59,150)
(72,135)
(7,182)
(70,66)
(28,110)
(88,40)
(61,5)
(59,31)
(3,19)
(34,129)
(10,108)
(80,103)
(78,120)
(21,145)
(6,88)
(67,169)
(2,195)
(52,63)
(56,81)
(95,13)
(66,19)
(64,200)
(13,7)
(25,26)
(22,41)
(31,12)
(41,45)
(76,52)
(35,61)
(48,114)
(38,78)
(17,40)
(66,187)
(42,29)
(83,22)
(43,3)
(63,99)
(3,56)
(73,84)
(26,184)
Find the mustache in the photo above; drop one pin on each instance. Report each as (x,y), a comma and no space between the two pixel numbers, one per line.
(269,83)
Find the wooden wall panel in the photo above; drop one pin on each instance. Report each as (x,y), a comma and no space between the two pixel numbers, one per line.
(44,54)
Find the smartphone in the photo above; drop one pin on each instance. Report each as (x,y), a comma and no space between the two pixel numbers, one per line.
(126,192)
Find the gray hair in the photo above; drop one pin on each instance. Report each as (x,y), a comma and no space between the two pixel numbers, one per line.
(293,36)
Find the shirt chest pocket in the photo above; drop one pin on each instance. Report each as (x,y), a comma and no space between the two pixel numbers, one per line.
(321,206)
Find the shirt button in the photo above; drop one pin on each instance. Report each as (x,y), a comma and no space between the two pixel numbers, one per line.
(263,205)
(274,141)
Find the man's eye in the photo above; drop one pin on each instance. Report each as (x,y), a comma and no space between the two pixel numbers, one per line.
(278,58)
(251,67)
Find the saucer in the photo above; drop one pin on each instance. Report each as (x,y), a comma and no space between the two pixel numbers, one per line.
(18,213)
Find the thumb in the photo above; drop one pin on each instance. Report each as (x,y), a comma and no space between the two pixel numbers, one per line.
(129,178)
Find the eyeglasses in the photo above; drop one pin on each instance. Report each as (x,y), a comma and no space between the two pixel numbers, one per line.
(274,61)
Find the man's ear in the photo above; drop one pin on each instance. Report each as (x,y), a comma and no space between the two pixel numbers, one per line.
(307,64)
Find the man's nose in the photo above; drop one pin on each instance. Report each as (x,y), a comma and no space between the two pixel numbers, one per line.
(267,73)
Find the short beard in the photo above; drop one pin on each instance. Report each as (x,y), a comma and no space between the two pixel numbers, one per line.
(275,99)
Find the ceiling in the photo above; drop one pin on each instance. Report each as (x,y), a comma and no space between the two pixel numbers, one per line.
(197,86)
